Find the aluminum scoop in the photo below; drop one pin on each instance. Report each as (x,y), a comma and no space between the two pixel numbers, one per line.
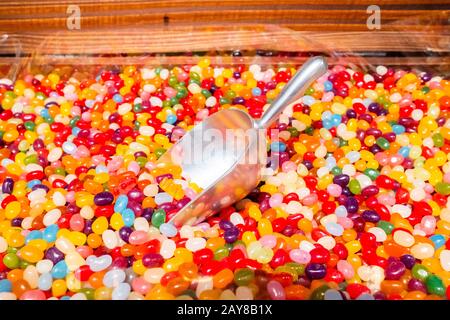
(225,154)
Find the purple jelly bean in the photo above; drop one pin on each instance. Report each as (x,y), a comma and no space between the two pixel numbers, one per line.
(225,224)
(352,205)
(40,186)
(54,255)
(87,227)
(408,260)
(315,271)
(370,191)
(103,198)
(370,216)
(395,270)
(152,260)
(124,233)
(16,222)
(341,179)
(136,195)
(416,285)
(8,185)
(147,214)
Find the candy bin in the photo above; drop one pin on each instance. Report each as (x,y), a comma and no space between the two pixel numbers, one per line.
(350,201)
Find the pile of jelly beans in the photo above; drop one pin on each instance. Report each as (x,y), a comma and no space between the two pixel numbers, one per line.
(356,207)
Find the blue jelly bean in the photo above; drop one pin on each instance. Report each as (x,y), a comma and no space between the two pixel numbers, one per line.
(76,131)
(121,292)
(59,270)
(32,183)
(121,203)
(398,129)
(256,91)
(341,211)
(308,100)
(326,115)
(45,113)
(278,147)
(128,217)
(118,98)
(334,229)
(171,119)
(404,151)
(168,230)
(45,281)
(327,124)
(64,298)
(328,86)
(5,285)
(35,234)
(336,119)
(50,232)
(438,240)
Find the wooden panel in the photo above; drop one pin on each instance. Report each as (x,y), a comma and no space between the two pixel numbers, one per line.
(300,15)
(187,39)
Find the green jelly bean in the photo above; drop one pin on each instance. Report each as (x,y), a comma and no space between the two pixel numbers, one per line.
(309,91)
(336,171)
(354,186)
(371,173)
(30,159)
(224,100)
(420,272)
(11,260)
(159,152)
(438,140)
(293,131)
(194,75)
(138,107)
(230,94)
(206,93)
(29,125)
(172,81)
(88,292)
(386,226)
(299,269)
(173,101)
(435,285)
(319,293)
(243,277)
(442,188)
(221,253)
(158,218)
(383,143)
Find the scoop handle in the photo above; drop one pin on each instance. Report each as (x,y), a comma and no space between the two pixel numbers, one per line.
(311,70)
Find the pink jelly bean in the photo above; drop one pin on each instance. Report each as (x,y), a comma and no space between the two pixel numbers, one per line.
(76,222)
(276,290)
(33,295)
(334,190)
(345,222)
(84,251)
(346,269)
(275,200)
(300,256)
(138,237)
(268,241)
(309,200)
(141,286)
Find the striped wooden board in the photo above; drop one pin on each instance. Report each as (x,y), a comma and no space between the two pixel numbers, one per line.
(35,32)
